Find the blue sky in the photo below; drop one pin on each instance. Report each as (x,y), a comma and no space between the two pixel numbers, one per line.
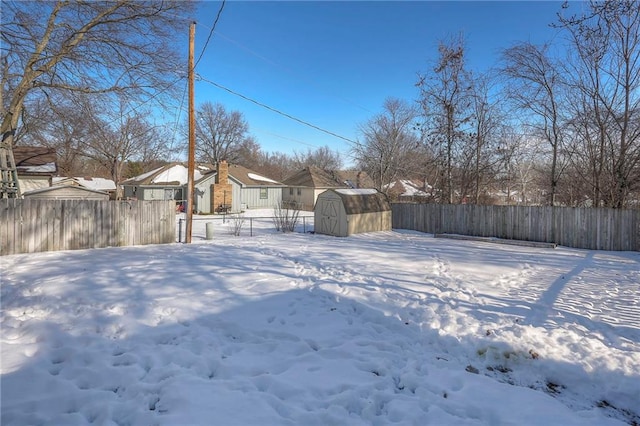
(333,63)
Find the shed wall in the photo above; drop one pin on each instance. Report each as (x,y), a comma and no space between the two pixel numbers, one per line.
(369,222)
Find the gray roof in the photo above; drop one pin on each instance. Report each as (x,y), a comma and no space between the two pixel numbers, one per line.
(246,177)
(315,177)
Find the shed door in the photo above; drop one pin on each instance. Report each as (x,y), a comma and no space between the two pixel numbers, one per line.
(329,219)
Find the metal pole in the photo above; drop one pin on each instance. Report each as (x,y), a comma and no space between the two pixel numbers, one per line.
(180,229)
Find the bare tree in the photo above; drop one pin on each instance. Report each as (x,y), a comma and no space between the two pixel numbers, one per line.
(487,120)
(85,46)
(323,157)
(119,137)
(389,139)
(537,85)
(56,122)
(445,99)
(605,78)
(220,134)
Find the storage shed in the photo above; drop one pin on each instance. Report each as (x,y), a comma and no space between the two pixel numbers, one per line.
(343,212)
(67,192)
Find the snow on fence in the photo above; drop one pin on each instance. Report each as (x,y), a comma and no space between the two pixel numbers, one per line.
(587,228)
(33,225)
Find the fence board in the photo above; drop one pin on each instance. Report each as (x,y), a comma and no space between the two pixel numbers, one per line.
(36,225)
(588,228)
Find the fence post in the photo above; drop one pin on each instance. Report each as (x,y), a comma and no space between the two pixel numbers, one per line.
(251,227)
(180,229)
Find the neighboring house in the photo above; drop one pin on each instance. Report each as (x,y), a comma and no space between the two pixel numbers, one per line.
(302,189)
(92,183)
(234,188)
(344,212)
(36,167)
(164,183)
(408,190)
(67,192)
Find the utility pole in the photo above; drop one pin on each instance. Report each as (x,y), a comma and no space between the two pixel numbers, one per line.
(192,135)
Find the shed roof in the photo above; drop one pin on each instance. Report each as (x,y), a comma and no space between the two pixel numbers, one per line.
(358,201)
(59,188)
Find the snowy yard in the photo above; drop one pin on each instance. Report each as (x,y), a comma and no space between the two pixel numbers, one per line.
(303,329)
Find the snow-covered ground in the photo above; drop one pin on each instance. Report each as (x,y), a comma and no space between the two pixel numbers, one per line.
(303,329)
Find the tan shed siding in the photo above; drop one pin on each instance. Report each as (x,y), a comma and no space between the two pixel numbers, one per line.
(342,214)
(369,222)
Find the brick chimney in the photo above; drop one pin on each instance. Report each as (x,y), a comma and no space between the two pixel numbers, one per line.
(222,175)
(221,190)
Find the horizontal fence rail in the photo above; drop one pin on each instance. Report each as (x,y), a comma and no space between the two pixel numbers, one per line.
(31,225)
(587,228)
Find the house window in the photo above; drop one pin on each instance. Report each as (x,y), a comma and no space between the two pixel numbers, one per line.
(299,191)
(263,193)
(290,191)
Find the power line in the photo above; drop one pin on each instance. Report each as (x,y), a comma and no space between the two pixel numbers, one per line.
(215,22)
(306,123)
(290,71)
(175,128)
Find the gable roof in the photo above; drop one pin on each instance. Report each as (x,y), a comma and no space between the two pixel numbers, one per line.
(94,183)
(77,189)
(169,174)
(315,177)
(249,177)
(35,160)
(407,188)
(244,176)
(357,201)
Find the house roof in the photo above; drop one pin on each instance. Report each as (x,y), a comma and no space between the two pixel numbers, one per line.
(357,201)
(35,160)
(64,187)
(315,177)
(407,188)
(245,176)
(249,177)
(94,183)
(169,174)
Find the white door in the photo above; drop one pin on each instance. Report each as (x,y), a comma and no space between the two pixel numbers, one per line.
(329,217)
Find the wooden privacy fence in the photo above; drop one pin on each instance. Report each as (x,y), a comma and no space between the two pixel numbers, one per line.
(587,228)
(32,225)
